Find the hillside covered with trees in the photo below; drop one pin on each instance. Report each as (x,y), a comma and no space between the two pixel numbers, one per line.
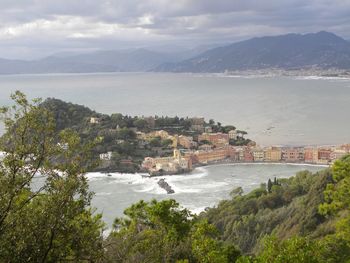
(46,213)
(117,133)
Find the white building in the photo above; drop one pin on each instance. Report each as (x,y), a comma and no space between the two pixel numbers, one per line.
(94,120)
(106,156)
(337,154)
(258,155)
(232,134)
(169,164)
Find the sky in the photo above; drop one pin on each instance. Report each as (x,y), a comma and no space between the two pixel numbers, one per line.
(36,28)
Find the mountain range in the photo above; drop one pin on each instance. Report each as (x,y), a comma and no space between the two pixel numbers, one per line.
(321,50)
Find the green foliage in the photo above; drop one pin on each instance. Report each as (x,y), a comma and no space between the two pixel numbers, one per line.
(337,206)
(290,209)
(240,141)
(337,194)
(44,214)
(295,249)
(117,133)
(163,232)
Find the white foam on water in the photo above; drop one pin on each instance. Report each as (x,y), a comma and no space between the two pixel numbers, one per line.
(102,194)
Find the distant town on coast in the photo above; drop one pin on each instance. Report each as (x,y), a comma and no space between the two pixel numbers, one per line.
(161,145)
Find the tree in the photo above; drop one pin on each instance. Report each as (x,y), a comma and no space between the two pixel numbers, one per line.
(269,185)
(155,142)
(337,197)
(236,192)
(207,249)
(140,124)
(296,249)
(44,204)
(164,232)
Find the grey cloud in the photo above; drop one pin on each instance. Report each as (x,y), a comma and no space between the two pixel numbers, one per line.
(86,24)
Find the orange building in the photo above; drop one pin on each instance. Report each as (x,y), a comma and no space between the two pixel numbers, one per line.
(218,139)
(324,154)
(212,155)
(186,142)
(311,155)
(273,154)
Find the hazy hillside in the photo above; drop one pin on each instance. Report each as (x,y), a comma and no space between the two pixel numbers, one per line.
(100,61)
(293,51)
(322,50)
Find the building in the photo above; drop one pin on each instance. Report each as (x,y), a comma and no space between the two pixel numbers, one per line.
(94,120)
(310,155)
(106,156)
(232,135)
(205,147)
(324,155)
(273,154)
(293,154)
(186,142)
(208,129)
(345,147)
(169,165)
(248,155)
(197,124)
(212,155)
(258,154)
(337,154)
(218,139)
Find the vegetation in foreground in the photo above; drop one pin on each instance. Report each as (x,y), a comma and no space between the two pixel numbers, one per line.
(49,219)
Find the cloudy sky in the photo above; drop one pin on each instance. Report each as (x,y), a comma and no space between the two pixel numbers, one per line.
(34,28)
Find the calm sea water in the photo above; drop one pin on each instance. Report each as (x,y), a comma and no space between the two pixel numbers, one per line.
(274,110)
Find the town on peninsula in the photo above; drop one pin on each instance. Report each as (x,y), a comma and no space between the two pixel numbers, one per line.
(160,145)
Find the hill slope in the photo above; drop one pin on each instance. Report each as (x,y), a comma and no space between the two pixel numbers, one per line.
(100,61)
(322,50)
(291,208)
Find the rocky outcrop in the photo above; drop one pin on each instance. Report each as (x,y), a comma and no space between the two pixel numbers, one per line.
(163,184)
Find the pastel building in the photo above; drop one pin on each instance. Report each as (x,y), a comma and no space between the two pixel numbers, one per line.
(232,134)
(293,154)
(186,141)
(258,154)
(171,164)
(273,154)
(337,154)
(311,154)
(197,124)
(213,155)
(218,139)
(324,155)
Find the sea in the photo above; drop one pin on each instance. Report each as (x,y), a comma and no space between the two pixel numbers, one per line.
(273,110)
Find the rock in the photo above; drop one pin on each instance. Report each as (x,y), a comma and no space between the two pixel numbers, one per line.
(163,184)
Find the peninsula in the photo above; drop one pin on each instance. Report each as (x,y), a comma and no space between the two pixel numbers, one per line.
(161,145)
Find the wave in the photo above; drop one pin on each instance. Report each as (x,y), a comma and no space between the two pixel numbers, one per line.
(102,194)
(280,164)
(322,78)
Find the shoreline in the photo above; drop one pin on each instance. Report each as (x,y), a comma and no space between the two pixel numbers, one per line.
(233,163)
(220,163)
(300,74)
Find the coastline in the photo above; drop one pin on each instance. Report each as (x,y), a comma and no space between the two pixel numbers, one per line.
(233,163)
(213,164)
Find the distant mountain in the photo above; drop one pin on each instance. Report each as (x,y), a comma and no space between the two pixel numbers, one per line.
(293,51)
(322,50)
(99,61)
